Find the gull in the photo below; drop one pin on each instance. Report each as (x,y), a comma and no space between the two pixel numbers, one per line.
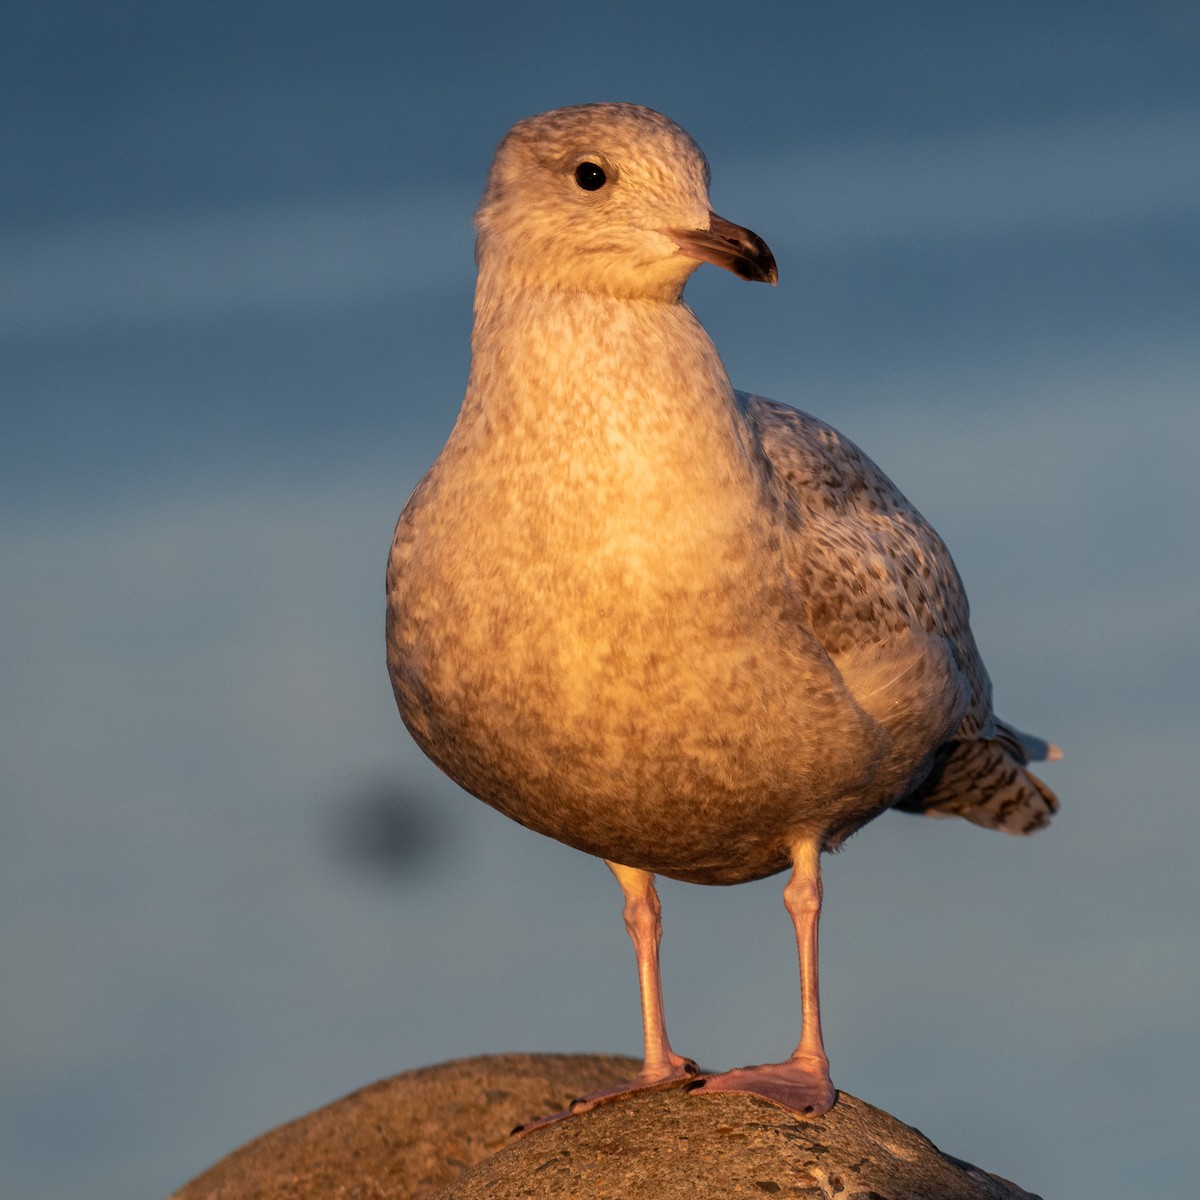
(691,631)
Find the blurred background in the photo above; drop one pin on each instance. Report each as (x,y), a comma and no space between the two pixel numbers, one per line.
(235,300)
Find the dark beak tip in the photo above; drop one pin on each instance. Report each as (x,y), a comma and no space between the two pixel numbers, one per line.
(760,271)
(730,246)
(768,270)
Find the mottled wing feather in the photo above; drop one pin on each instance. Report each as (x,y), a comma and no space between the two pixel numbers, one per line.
(870,564)
(873,568)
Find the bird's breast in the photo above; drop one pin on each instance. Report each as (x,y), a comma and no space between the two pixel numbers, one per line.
(582,589)
(633,687)
(591,623)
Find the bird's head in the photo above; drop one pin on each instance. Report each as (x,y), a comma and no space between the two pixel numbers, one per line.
(607,198)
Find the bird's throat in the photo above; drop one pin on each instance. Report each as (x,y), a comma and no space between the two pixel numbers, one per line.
(576,392)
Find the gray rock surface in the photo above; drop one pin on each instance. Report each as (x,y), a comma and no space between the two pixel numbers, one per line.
(443,1131)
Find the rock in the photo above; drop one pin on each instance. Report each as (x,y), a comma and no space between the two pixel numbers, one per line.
(444,1132)
(407,1136)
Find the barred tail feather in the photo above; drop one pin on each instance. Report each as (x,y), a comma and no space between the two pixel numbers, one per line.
(986,782)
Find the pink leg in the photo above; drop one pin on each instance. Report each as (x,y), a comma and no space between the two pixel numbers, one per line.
(802,1083)
(661,1067)
(643,920)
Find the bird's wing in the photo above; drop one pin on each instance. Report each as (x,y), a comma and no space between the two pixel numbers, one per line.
(877,575)
(872,567)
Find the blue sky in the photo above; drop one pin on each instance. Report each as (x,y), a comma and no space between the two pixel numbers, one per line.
(234,310)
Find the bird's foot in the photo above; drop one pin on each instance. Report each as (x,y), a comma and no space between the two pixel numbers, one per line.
(678,1073)
(801,1085)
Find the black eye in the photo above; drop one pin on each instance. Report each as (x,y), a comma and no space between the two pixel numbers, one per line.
(590,176)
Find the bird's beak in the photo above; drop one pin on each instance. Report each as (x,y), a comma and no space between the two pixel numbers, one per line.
(727,245)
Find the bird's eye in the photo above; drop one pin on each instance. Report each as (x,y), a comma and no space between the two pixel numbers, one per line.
(590,176)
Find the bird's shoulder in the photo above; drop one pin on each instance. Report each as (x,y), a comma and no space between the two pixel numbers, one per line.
(823,468)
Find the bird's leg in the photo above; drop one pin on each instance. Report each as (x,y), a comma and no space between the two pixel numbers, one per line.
(802,898)
(643,920)
(662,1068)
(802,1083)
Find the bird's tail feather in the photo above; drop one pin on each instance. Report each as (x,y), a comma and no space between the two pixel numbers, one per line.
(1025,747)
(986,782)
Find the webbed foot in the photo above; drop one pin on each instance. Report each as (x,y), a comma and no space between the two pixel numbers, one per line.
(681,1072)
(801,1085)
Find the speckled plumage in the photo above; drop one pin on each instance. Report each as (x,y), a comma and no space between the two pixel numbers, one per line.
(625,603)
(672,625)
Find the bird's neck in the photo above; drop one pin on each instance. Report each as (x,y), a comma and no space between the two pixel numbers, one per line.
(605,435)
(608,385)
